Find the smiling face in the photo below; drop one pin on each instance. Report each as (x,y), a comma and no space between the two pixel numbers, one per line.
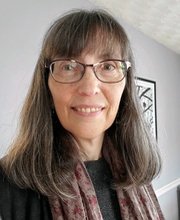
(86,108)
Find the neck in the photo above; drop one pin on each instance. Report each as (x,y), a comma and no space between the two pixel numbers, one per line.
(90,148)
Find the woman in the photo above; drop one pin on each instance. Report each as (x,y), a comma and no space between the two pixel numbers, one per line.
(83,151)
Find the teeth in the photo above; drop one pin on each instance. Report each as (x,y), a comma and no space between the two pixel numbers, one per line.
(88,110)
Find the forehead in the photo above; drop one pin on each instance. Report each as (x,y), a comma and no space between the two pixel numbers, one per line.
(99,55)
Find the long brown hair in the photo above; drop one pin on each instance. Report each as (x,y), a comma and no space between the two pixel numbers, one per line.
(44,155)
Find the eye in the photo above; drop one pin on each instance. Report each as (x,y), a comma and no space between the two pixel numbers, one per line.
(108,66)
(68,66)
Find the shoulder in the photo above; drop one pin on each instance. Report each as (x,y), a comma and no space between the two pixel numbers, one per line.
(15,202)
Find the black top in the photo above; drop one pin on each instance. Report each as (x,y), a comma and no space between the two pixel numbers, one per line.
(21,204)
(101,177)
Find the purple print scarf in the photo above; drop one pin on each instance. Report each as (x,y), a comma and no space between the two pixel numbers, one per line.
(138,203)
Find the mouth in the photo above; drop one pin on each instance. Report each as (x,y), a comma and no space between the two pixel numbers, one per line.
(88,109)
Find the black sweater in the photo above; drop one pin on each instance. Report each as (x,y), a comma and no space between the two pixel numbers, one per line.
(101,176)
(21,204)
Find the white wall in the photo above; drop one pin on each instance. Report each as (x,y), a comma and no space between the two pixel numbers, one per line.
(22,25)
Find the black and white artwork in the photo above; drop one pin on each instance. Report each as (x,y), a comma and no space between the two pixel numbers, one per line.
(146,90)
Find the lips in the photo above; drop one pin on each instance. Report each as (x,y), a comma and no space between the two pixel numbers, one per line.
(88,109)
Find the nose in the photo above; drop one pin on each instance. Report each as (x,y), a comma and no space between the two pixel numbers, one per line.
(89,85)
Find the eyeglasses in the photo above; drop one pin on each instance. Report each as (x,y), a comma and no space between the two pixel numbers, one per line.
(70,71)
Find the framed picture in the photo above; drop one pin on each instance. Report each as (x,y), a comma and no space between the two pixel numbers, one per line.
(146,90)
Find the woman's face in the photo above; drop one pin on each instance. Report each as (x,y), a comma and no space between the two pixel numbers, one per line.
(87,108)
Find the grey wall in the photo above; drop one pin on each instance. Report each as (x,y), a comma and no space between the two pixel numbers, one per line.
(22,25)
(155,62)
(163,66)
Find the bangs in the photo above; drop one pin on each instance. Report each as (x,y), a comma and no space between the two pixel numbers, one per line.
(83,31)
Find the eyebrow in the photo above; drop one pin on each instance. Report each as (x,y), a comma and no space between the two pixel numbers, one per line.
(108,55)
(103,56)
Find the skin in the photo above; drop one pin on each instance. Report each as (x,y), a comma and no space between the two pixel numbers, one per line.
(99,100)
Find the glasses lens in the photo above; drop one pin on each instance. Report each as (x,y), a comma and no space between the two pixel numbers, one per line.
(111,70)
(66,71)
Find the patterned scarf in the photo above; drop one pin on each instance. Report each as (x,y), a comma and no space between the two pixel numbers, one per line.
(138,203)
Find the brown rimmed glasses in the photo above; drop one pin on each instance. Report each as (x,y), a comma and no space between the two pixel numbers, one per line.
(70,71)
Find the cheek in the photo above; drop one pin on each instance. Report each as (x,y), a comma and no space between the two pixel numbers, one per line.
(115,95)
(61,105)
(60,101)
(59,96)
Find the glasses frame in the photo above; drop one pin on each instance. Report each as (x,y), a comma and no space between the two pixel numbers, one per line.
(49,66)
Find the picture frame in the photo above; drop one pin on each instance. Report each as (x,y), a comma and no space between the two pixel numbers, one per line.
(146,91)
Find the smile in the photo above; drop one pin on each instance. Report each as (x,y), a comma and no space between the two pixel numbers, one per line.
(85,109)
(88,110)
